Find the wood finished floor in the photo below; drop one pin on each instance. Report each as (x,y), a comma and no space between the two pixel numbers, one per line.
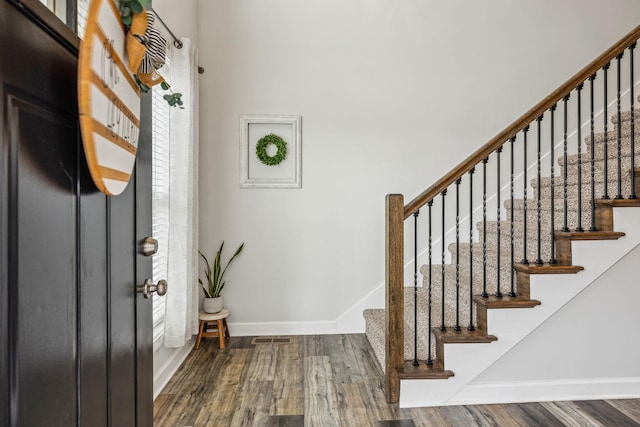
(333,380)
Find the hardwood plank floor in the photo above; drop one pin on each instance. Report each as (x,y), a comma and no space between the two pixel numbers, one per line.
(288,390)
(333,380)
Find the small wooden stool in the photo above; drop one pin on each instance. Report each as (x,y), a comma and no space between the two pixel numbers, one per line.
(218,321)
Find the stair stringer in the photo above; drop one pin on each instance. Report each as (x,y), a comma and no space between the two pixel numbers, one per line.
(511,326)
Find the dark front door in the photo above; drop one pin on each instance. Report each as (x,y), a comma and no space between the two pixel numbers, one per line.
(75,338)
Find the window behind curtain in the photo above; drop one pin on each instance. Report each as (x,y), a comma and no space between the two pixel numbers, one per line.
(160,194)
(83,13)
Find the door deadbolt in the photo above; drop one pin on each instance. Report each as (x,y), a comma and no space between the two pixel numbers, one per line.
(148,246)
(148,288)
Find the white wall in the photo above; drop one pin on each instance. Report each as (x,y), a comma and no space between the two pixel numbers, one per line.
(587,350)
(392,95)
(181,17)
(592,337)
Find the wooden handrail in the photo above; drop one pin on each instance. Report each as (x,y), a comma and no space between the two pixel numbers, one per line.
(522,122)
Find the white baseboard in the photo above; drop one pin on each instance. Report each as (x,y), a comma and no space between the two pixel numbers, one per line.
(242,329)
(539,391)
(544,391)
(162,375)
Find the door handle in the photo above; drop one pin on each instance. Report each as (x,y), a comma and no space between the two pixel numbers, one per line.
(148,288)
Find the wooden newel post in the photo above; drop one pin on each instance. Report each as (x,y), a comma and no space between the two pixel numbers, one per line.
(394,295)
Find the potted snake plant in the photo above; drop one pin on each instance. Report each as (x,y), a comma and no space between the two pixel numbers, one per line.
(215,280)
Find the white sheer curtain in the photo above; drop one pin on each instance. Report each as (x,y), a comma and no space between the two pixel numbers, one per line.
(181,316)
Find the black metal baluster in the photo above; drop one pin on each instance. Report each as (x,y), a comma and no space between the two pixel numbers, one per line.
(444,193)
(484,228)
(525,261)
(564,143)
(633,128)
(606,137)
(552,259)
(429,359)
(457,328)
(498,151)
(593,156)
(539,192)
(512,293)
(471,327)
(619,116)
(579,91)
(415,288)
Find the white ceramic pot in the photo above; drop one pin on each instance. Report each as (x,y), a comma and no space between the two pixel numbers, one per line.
(212,305)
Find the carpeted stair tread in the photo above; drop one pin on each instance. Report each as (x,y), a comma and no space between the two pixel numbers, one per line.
(545,203)
(612,132)
(491,253)
(572,178)
(462,278)
(625,116)
(518,229)
(572,191)
(598,163)
(374,323)
(599,158)
(518,236)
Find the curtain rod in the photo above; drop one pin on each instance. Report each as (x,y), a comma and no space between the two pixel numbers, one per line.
(176,42)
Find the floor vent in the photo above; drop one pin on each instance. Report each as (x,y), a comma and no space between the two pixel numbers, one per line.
(271,340)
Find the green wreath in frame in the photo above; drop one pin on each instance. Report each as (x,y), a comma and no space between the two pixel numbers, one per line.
(261,150)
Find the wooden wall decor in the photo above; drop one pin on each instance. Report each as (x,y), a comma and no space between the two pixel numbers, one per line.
(108,98)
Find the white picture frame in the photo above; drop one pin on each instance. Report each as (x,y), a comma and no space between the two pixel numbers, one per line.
(255,174)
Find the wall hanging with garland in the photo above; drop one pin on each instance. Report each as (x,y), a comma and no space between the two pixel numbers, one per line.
(270,151)
(119,58)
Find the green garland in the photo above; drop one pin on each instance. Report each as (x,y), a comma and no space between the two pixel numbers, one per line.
(261,150)
(127,9)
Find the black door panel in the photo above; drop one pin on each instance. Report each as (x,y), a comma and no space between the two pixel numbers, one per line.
(122,303)
(93,307)
(44,293)
(75,339)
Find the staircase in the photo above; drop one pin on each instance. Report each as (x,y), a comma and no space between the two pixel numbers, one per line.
(522,240)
